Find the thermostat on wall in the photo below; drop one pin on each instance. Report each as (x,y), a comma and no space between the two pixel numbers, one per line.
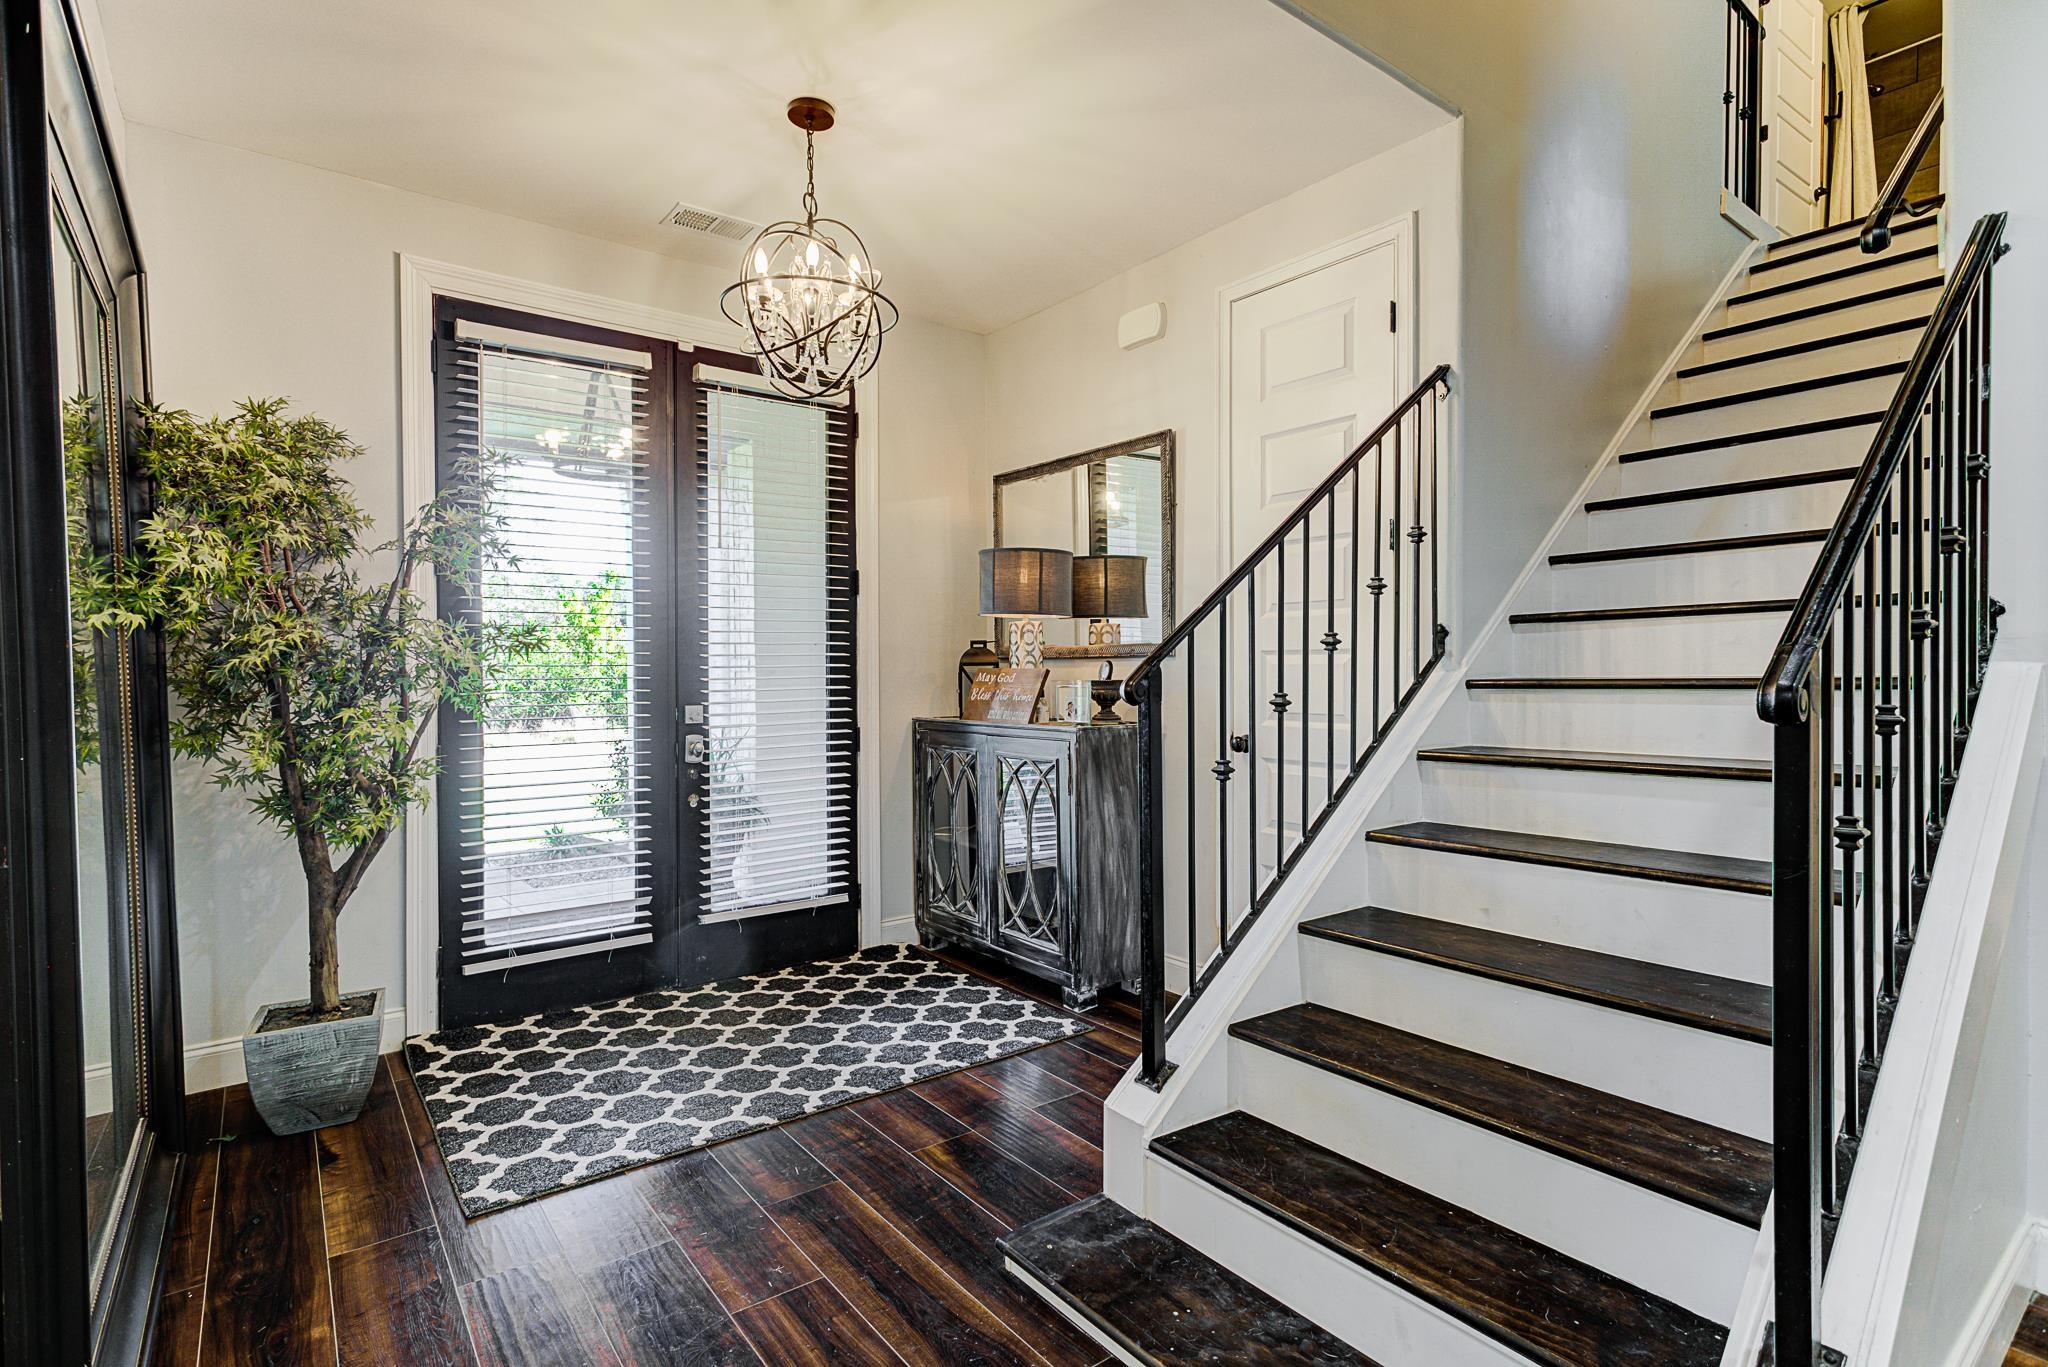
(1141,325)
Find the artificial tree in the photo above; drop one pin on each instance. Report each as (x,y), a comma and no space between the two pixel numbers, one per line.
(306,665)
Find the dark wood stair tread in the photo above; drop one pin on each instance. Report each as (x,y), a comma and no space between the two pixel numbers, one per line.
(1779,391)
(1732,608)
(1848,272)
(1723,1006)
(1724,872)
(1730,488)
(1853,231)
(1849,243)
(1160,1300)
(1751,438)
(1877,296)
(1600,761)
(1624,684)
(1791,349)
(1556,1310)
(1705,546)
(1716,1170)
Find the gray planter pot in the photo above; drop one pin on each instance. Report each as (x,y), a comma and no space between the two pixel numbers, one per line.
(311,1076)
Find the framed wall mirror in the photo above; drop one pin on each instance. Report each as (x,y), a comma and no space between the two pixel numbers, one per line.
(91,1052)
(1112,501)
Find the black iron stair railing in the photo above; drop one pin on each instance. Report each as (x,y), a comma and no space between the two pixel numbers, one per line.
(1870,694)
(1742,136)
(1356,558)
(1877,228)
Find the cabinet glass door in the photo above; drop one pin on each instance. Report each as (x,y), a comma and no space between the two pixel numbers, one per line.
(1030,897)
(952,854)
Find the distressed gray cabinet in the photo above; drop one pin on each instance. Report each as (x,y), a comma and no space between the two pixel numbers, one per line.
(1027,847)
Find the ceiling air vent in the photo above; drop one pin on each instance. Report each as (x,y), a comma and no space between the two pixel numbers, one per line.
(705,221)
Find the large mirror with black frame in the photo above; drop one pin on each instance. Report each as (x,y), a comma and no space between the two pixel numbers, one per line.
(1112,507)
(90,1047)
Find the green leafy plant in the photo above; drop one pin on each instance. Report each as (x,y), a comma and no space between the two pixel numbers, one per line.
(303,679)
(103,591)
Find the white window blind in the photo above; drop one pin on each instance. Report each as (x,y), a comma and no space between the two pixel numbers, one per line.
(552,839)
(775,491)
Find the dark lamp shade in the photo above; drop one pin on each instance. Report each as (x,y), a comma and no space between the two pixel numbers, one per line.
(1109,586)
(1027,581)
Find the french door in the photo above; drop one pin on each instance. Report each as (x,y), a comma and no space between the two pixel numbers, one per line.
(656,784)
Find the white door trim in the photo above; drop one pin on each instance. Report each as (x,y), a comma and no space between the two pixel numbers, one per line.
(1401,233)
(420,281)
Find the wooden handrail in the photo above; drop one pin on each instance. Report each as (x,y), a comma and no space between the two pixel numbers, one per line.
(1877,228)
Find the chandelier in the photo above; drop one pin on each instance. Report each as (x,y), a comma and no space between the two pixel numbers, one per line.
(808,292)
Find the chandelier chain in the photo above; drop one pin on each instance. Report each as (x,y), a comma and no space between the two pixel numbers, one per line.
(810,177)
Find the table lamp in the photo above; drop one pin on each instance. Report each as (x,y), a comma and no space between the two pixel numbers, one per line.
(1106,587)
(1027,584)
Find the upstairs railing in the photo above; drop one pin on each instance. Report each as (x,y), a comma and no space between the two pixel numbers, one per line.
(1742,137)
(1870,695)
(1877,229)
(1246,739)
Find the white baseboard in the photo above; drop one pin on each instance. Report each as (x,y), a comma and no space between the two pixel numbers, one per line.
(1996,1316)
(899,930)
(218,1063)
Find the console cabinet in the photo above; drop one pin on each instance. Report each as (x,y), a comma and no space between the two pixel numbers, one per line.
(1027,847)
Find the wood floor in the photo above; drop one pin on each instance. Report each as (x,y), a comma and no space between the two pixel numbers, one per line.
(2030,1345)
(865,1234)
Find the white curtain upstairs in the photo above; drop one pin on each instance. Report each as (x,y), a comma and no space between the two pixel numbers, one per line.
(1852,177)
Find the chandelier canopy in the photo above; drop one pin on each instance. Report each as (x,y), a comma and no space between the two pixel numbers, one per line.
(809,292)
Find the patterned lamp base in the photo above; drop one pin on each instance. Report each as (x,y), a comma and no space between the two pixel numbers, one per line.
(1027,643)
(1102,632)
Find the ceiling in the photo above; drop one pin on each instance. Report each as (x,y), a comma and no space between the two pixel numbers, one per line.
(997,156)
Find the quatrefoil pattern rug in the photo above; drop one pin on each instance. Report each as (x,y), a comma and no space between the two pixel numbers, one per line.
(553,1101)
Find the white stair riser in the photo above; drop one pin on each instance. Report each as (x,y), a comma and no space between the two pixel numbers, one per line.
(1771,510)
(1835,449)
(1806,405)
(1707,816)
(1664,1246)
(1807,365)
(1912,304)
(1646,647)
(1672,722)
(1707,929)
(1365,1310)
(1897,271)
(1677,1068)
(1693,577)
(1813,262)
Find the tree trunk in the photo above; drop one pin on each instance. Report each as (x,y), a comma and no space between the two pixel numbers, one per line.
(323,910)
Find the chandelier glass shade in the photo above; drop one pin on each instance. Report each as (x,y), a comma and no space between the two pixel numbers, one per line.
(809,293)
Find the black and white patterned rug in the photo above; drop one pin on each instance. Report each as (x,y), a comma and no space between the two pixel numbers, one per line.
(553,1101)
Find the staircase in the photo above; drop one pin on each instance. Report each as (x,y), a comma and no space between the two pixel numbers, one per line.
(1522,1114)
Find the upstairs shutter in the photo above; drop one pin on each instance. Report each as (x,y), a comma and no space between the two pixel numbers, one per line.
(545,797)
(774,484)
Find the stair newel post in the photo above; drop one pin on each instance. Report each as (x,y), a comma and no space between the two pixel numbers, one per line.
(1143,693)
(1799,996)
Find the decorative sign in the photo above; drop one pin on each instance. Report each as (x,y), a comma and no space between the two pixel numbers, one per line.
(1004,694)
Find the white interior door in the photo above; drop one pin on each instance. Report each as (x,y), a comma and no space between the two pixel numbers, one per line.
(1795,41)
(1318,354)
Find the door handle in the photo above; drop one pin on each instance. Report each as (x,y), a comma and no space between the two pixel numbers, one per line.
(693,749)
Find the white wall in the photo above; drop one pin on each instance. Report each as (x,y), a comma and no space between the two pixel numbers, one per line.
(1996,123)
(1593,235)
(1059,384)
(270,277)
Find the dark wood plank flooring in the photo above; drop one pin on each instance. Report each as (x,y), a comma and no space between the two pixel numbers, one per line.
(865,1234)
(2030,1345)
